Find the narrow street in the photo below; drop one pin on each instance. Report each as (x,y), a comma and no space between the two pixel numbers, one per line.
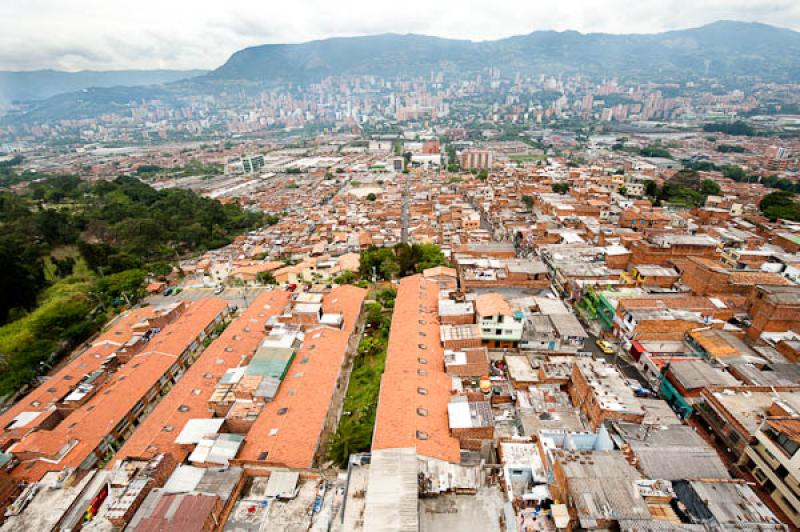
(404,210)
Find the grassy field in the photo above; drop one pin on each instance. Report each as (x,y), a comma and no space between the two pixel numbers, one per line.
(59,322)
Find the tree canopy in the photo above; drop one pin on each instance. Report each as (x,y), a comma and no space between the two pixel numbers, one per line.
(399,261)
(780,204)
(737,128)
(71,250)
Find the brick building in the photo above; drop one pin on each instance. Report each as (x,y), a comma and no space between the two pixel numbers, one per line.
(775,309)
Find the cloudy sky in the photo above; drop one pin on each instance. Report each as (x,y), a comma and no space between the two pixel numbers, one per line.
(120,34)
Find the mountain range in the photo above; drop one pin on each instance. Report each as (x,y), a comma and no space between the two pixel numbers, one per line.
(41,84)
(721,50)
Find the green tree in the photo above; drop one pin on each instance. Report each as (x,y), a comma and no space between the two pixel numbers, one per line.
(126,286)
(709,187)
(655,151)
(528,201)
(266,278)
(780,204)
(346,277)
(734,172)
(371,196)
(737,128)
(561,188)
(651,189)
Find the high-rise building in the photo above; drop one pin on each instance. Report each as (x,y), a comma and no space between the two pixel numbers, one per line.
(478,159)
(252,163)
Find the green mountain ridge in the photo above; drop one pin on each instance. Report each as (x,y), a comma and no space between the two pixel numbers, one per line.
(720,49)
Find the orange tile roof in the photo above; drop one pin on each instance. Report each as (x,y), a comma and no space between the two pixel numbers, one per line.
(408,384)
(240,339)
(492,305)
(118,332)
(89,424)
(306,391)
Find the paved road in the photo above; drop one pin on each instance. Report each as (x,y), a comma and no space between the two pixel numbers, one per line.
(620,359)
(241,297)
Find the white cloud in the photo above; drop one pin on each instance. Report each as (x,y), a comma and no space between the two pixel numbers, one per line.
(117,34)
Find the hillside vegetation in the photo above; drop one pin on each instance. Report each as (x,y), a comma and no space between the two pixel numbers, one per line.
(73,252)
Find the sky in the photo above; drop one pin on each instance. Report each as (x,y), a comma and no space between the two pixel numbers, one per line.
(186,34)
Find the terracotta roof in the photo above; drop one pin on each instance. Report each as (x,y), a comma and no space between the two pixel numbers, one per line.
(89,424)
(63,381)
(440,271)
(239,340)
(415,390)
(291,437)
(492,305)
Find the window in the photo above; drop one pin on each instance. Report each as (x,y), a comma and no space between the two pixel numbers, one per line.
(263,455)
(183,408)
(422,360)
(422,372)
(789,447)
(305,360)
(422,412)
(422,435)
(282,411)
(167,428)
(422,346)
(422,391)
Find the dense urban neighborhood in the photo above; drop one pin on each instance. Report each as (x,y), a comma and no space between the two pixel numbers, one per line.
(489,301)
